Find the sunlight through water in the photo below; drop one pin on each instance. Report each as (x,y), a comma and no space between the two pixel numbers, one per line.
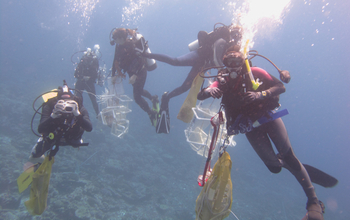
(134,11)
(256,16)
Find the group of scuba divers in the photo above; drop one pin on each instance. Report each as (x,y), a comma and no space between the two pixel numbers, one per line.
(247,94)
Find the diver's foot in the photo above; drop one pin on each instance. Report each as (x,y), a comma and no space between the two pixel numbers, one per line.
(315,210)
(36,160)
(155,102)
(153,117)
(164,101)
(76,143)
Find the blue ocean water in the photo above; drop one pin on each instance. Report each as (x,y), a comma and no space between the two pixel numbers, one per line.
(151,176)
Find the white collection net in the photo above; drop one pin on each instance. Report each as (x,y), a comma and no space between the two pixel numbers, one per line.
(114,107)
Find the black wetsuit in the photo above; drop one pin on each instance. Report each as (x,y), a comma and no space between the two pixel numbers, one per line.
(260,137)
(127,60)
(48,124)
(88,68)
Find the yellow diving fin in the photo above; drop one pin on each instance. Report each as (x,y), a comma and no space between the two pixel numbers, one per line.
(186,113)
(49,95)
(39,190)
(25,179)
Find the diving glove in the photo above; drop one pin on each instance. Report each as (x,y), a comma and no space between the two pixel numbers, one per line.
(214,92)
(75,111)
(251,96)
(132,79)
(57,111)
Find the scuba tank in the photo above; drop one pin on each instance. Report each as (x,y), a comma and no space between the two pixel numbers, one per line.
(193,45)
(151,63)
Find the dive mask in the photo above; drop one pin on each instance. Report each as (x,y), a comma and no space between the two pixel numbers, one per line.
(233,60)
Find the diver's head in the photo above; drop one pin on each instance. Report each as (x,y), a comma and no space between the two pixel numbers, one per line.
(88,52)
(236,32)
(64,92)
(119,35)
(234,61)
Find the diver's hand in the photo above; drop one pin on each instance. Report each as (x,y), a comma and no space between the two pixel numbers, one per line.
(75,111)
(132,79)
(57,111)
(214,92)
(114,79)
(251,96)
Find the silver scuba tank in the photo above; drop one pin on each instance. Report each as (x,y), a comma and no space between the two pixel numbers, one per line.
(151,63)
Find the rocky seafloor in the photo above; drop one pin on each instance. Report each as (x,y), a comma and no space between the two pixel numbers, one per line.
(142,176)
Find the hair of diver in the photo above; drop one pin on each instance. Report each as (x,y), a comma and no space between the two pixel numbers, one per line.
(234,215)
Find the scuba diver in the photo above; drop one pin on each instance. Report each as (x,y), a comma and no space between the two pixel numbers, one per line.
(127,58)
(244,103)
(63,122)
(86,73)
(206,51)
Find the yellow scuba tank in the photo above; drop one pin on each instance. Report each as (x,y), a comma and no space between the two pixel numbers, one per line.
(151,63)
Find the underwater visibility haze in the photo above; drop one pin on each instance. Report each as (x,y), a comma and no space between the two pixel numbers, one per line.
(145,175)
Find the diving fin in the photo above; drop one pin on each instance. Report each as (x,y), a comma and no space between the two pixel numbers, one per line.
(155,110)
(163,119)
(26,178)
(319,177)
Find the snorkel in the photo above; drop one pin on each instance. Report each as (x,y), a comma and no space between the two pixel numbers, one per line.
(255,83)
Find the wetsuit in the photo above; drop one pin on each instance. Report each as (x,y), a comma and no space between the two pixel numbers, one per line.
(48,124)
(126,59)
(239,115)
(210,53)
(86,74)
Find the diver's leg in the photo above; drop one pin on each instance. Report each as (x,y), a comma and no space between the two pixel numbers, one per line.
(79,88)
(138,91)
(261,143)
(90,88)
(189,59)
(41,146)
(278,134)
(186,85)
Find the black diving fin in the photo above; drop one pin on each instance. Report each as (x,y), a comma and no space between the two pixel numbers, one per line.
(319,177)
(163,118)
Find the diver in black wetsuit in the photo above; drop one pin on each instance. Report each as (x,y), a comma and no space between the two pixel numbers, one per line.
(243,106)
(209,52)
(86,74)
(66,113)
(127,58)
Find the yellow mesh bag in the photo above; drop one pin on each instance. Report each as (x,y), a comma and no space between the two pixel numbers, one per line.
(37,202)
(186,113)
(215,200)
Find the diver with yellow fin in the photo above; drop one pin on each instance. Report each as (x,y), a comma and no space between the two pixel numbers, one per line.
(249,94)
(63,122)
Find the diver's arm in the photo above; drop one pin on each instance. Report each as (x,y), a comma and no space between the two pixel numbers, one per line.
(115,66)
(78,71)
(276,87)
(84,119)
(212,91)
(189,59)
(45,121)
